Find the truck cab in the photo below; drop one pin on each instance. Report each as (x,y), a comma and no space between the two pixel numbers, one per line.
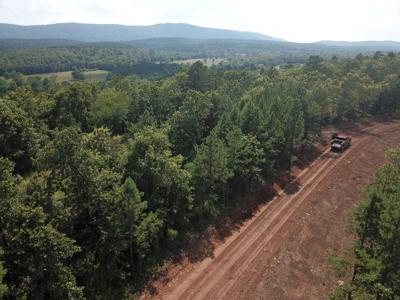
(340,142)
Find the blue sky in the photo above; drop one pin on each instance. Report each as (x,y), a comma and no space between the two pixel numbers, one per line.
(294,20)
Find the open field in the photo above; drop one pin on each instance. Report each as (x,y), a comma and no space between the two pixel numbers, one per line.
(96,75)
(92,75)
(60,76)
(281,252)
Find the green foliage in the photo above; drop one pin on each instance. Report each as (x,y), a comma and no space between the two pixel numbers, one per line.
(134,215)
(389,99)
(101,181)
(160,176)
(339,264)
(3,86)
(111,109)
(245,158)
(36,254)
(71,107)
(198,77)
(77,75)
(59,59)
(210,174)
(18,137)
(314,62)
(188,124)
(3,272)
(108,150)
(156,57)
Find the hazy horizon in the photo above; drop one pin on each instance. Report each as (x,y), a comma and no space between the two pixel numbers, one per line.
(297,21)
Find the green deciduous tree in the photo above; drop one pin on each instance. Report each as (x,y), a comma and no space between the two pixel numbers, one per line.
(72,106)
(111,109)
(19,140)
(87,188)
(161,177)
(36,255)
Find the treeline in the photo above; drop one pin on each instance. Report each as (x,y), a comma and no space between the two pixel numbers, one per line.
(256,53)
(374,259)
(100,182)
(145,56)
(97,56)
(10,81)
(148,70)
(14,44)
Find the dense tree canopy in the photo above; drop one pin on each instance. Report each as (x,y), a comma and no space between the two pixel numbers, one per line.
(101,181)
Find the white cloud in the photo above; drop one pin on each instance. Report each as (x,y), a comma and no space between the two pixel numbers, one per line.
(296,20)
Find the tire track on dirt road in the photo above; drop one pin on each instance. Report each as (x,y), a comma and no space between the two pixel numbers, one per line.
(253,231)
(293,264)
(213,278)
(250,247)
(221,288)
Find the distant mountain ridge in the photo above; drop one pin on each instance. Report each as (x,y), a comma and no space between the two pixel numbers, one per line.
(167,37)
(8,44)
(118,33)
(362,44)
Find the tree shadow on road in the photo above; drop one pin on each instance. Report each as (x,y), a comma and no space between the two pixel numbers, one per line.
(201,244)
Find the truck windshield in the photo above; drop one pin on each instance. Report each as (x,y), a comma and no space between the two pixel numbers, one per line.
(337,141)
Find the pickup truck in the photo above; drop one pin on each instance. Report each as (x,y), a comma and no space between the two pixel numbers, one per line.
(340,142)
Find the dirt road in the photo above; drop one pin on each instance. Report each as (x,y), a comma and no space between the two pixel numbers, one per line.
(281,253)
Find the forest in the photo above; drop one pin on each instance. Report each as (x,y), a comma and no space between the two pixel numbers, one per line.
(102,182)
(156,57)
(105,56)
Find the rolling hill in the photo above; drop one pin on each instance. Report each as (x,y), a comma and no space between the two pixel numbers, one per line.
(117,33)
(378,45)
(8,44)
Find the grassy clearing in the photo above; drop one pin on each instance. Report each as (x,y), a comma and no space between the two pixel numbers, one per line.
(96,75)
(59,76)
(91,75)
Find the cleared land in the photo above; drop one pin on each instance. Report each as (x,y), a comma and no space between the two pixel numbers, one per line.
(281,252)
(92,75)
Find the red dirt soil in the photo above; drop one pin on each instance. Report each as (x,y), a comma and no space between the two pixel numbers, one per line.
(281,252)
